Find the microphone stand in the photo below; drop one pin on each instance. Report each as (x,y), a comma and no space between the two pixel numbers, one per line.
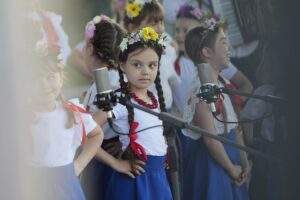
(180,123)
(211,91)
(267,98)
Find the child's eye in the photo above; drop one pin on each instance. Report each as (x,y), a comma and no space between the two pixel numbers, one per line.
(153,65)
(137,65)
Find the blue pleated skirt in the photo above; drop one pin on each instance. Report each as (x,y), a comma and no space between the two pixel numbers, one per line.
(59,183)
(151,185)
(205,179)
(95,177)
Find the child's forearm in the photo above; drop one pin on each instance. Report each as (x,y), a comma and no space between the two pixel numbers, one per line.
(216,149)
(105,158)
(243,154)
(89,149)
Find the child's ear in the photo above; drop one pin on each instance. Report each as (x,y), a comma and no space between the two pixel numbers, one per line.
(89,49)
(122,67)
(206,52)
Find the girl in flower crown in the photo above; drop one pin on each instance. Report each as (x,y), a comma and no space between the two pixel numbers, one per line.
(216,170)
(57,131)
(187,18)
(145,149)
(103,37)
(143,13)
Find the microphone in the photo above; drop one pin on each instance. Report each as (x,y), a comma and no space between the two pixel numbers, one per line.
(105,98)
(208,90)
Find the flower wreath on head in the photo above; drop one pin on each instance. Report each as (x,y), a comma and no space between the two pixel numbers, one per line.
(211,22)
(43,49)
(134,7)
(189,10)
(91,25)
(147,36)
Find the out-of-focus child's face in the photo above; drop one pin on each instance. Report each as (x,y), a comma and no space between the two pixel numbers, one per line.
(157,25)
(48,86)
(221,52)
(141,68)
(182,27)
(119,5)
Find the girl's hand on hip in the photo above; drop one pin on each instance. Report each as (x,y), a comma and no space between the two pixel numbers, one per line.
(125,167)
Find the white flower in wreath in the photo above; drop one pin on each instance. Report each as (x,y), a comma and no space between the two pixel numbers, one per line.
(96,19)
(123,45)
(161,41)
(210,24)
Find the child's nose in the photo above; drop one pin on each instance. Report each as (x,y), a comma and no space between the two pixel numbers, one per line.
(145,71)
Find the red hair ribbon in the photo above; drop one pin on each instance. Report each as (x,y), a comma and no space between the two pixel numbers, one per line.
(79,110)
(237,98)
(137,148)
(52,37)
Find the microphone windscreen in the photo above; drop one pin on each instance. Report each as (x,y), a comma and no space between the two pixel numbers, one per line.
(205,73)
(102,80)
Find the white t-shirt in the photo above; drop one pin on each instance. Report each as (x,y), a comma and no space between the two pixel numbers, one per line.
(188,72)
(168,75)
(62,36)
(90,96)
(152,139)
(53,144)
(256,108)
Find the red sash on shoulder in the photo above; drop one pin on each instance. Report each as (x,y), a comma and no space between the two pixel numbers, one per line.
(78,110)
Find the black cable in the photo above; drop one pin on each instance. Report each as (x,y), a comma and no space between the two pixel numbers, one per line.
(244,121)
(120,133)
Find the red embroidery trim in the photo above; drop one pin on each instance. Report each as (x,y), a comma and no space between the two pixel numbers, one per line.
(237,98)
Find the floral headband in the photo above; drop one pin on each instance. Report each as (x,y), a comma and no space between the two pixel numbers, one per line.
(91,25)
(146,36)
(189,10)
(134,7)
(211,23)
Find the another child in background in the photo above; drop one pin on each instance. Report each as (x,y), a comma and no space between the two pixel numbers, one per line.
(50,24)
(216,171)
(58,129)
(140,57)
(187,18)
(140,14)
(103,37)
(118,7)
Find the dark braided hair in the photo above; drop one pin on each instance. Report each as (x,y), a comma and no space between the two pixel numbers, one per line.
(129,154)
(107,37)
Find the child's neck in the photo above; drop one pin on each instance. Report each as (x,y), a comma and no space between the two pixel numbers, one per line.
(215,72)
(141,93)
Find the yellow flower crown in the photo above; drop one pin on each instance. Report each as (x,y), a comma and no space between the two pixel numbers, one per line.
(146,36)
(134,7)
